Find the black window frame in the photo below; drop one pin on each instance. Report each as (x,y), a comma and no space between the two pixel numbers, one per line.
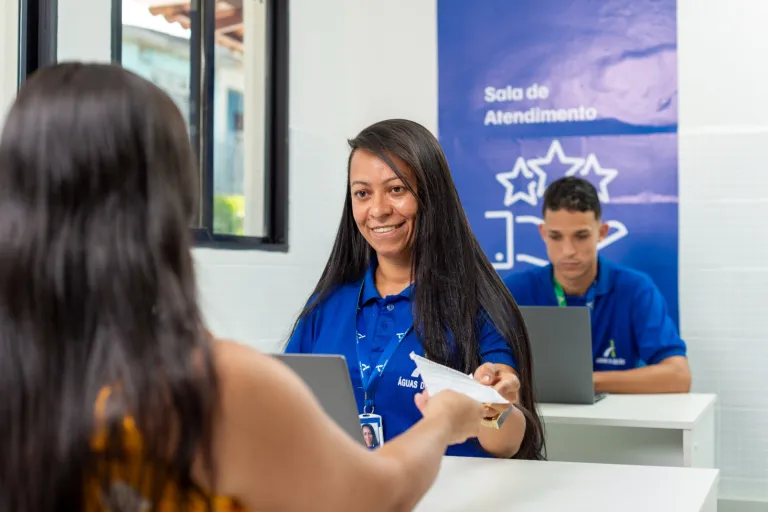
(38,37)
(202,80)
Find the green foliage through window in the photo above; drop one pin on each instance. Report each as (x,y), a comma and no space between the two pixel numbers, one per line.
(228,214)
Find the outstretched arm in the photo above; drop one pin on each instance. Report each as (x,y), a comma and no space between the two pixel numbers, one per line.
(279,450)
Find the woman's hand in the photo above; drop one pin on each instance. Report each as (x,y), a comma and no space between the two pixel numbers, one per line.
(504,380)
(462,414)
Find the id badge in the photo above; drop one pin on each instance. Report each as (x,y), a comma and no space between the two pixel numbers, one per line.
(373,430)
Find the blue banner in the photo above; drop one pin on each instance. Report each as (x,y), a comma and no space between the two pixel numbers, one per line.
(533,90)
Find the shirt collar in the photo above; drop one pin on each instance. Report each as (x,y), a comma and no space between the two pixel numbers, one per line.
(603,282)
(370,292)
(605,276)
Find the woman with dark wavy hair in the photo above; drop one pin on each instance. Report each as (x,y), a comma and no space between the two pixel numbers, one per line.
(114,396)
(406,274)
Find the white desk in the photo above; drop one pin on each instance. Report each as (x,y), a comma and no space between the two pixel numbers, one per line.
(652,430)
(471,485)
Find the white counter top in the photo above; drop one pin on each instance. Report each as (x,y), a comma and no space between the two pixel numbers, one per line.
(676,411)
(491,485)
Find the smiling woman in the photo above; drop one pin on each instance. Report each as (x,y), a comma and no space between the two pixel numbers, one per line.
(406,275)
(384,207)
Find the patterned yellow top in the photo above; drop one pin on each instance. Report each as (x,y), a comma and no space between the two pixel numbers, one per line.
(124,483)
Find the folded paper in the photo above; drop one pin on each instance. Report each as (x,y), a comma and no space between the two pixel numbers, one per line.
(437,377)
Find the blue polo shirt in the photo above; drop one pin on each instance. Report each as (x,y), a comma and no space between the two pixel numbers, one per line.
(630,323)
(331,329)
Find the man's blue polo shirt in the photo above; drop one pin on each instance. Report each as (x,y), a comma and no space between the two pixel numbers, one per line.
(331,329)
(630,323)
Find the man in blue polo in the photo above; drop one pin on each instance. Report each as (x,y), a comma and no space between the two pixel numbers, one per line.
(635,345)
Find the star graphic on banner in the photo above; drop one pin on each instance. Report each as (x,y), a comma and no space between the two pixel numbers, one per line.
(531,195)
(555,149)
(607,175)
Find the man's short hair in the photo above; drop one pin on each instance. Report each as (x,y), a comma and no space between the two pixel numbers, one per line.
(572,194)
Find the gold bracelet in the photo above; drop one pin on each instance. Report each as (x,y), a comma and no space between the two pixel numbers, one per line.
(497,421)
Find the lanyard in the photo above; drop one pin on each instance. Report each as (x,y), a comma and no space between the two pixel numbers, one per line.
(560,294)
(370,374)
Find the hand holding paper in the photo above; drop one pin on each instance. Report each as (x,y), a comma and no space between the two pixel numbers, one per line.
(437,378)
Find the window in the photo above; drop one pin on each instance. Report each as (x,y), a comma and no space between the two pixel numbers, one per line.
(38,26)
(224,62)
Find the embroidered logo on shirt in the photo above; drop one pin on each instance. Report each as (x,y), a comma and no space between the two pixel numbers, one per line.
(413,383)
(409,383)
(609,356)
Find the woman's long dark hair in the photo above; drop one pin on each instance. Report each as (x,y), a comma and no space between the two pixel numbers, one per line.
(451,273)
(97,291)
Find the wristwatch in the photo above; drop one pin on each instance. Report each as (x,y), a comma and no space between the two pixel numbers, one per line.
(497,421)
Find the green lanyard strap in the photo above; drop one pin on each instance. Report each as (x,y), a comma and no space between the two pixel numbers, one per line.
(559,293)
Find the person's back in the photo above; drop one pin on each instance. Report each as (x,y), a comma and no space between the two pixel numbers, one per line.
(127,486)
(96,288)
(115,396)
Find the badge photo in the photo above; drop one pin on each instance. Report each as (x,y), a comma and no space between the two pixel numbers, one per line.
(373,430)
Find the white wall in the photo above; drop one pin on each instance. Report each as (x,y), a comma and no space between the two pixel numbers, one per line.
(85,30)
(723,201)
(358,73)
(8,53)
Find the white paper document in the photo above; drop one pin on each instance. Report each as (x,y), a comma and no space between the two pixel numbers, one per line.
(437,377)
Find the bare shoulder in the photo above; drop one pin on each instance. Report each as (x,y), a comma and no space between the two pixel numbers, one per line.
(250,427)
(230,352)
(243,370)
(262,441)
(232,356)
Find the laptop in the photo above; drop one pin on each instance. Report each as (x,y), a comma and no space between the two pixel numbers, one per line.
(561,346)
(328,378)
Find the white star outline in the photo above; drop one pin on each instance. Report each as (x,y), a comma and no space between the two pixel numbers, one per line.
(538,177)
(555,148)
(607,175)
(532,169)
